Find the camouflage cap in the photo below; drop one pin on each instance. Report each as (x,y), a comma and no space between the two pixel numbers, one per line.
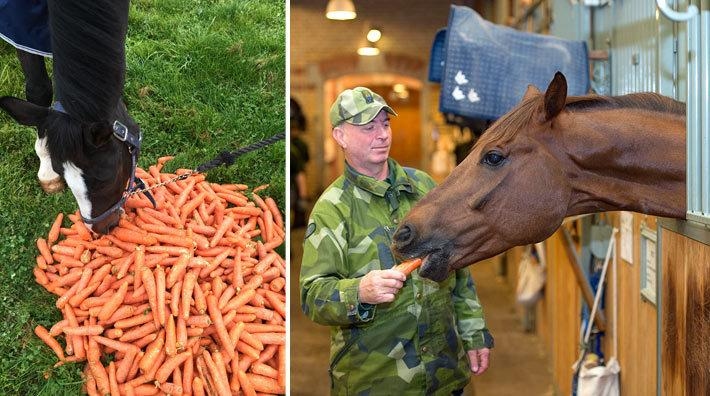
(357,106)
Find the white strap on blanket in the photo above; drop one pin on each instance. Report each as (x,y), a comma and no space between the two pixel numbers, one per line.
(610,253)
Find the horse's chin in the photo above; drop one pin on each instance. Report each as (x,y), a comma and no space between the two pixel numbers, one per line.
(435,266)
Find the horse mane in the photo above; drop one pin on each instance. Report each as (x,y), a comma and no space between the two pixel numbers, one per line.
(88,47)
(506,127)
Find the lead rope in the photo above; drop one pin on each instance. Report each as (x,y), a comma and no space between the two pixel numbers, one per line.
(224,158)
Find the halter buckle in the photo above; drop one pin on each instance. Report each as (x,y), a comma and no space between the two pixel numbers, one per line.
(120,131)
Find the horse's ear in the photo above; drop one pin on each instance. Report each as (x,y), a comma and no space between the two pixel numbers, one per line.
(24,112)
(98,134)
(555,96)
(530,92)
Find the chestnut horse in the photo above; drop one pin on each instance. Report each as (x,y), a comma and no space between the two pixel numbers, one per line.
(85,136)
(550,157)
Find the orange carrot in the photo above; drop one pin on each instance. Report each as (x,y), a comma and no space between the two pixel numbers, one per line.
(406,267)
(44,250)
(225,226)
(114,302)
(170,365)
(188,286)
(264,384)
(170,339)
(218,321)
(152,351)
(220,383)
(150,288)
(137,237)
(51,342)
(53,234)
(198,388)
(87,330)
(246,384)
(160,294)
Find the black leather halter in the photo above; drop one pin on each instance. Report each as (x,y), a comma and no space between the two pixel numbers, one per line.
(133,142)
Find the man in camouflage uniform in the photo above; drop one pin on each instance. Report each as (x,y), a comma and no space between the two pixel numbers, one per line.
(390,334)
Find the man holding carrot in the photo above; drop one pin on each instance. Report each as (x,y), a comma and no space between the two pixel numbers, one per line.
(389,332)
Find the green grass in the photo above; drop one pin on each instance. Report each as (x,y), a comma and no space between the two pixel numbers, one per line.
(202,77)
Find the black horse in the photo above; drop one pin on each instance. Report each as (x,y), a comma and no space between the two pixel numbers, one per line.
(85,135)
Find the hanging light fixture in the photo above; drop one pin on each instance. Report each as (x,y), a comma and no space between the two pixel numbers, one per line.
(340,10)
(370,47)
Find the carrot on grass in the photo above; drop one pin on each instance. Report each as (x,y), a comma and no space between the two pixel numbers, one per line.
(53,234)
(51,342)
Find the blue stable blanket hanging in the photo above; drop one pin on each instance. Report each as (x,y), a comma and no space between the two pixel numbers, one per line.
(485,68)
(25,25)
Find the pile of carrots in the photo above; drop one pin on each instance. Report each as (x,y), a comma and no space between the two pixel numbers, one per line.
(185,298)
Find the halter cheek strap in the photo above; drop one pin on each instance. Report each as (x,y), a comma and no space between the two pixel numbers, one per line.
(133,141)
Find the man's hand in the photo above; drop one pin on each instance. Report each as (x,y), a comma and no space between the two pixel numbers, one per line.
(479,360)
(380,286)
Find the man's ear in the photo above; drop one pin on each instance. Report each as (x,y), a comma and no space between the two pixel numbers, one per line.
(339,136)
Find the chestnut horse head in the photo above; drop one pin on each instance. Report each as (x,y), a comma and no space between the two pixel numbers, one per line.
(86,136)
(550,157)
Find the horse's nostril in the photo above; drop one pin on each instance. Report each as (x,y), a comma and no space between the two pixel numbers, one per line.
(404,235)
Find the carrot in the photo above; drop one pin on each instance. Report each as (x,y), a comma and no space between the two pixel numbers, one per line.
(171,388)
(264,384)
(282,366)
(133,236)
(152,351)
(87,330)
(246,384)
(114,344)
(170,365)
(188,286)
(97,369)
(220,383)
(44,250)
(218,321)
(53,234)
(170,338)
(151,290)
(135,320)
(160,294)
(265,370)
(113,382)
(198,388)
(406,267)
(51,342)
(112,304)
(225,226)
(271,338)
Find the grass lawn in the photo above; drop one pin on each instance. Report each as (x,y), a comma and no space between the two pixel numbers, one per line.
(203,76)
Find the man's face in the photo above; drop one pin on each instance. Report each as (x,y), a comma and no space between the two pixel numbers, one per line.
(366,146)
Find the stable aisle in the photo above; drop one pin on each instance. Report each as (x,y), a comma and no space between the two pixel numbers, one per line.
(519,365)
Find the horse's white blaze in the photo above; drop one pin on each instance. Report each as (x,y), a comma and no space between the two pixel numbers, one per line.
(46,173)
(75,180)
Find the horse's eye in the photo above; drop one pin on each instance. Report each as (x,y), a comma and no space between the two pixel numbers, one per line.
(493,158)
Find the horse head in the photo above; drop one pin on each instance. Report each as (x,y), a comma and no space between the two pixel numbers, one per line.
(509,191)
(92,157)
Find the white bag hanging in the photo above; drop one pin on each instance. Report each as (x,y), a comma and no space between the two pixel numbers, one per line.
(531,277)
(601,380)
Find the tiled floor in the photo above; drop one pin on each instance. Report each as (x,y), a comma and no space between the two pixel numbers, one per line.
(519,365)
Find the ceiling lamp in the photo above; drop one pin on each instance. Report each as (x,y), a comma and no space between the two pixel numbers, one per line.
(340,10)
(370,49)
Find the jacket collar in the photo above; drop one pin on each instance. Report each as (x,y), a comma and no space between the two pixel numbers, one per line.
(397,179)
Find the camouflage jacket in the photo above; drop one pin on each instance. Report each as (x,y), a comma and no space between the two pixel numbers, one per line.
(416,344)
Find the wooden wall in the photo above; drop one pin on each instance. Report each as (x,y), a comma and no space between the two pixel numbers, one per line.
(557,315)
(685,328)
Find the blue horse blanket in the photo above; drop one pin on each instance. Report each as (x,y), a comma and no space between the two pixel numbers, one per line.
(25,25)
(485,68)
